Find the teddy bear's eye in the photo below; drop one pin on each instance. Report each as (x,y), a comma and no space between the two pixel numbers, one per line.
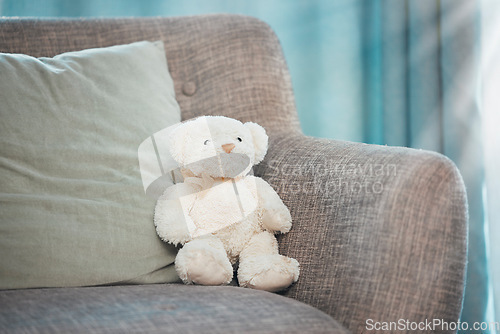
(239,139)
(206,142)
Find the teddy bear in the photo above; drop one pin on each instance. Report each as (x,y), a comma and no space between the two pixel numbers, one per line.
(221,214)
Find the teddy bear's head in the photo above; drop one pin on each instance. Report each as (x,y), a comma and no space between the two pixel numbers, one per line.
(218,146)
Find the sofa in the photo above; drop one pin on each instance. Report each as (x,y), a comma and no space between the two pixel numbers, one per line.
(380,232)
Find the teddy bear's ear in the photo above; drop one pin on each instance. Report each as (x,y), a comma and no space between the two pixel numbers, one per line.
(176,143)
(260,140)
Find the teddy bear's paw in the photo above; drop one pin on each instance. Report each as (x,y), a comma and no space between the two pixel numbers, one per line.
(170,222)
(203,267)
(205,271)
(270,272)
(278,220)
(175,236)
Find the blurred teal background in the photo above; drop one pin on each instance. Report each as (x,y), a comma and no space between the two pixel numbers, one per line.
(416,73)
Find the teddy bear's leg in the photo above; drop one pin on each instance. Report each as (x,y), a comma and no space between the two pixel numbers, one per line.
(204,261)
(261,267)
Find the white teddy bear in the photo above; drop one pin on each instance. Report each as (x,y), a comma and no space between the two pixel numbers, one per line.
(221,214)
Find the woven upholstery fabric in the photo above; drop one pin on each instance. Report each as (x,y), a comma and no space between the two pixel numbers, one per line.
(158,309)
(221,64)
(380,232)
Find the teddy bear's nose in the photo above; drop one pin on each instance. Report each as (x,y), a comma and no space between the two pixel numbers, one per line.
(228,147)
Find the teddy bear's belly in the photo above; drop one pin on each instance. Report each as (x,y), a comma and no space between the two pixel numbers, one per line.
(222,205)
(236,236)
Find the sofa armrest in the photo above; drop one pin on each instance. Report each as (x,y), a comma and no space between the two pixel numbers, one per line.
(380,232)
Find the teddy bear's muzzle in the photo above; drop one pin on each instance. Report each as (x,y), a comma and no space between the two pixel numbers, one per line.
(228,147)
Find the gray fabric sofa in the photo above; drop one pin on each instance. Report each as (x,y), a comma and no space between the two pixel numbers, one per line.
(380,232)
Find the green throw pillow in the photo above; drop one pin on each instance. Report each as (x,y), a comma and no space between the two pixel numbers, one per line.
(72,204)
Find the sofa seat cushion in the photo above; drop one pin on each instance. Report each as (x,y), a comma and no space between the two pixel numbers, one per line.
(159,308)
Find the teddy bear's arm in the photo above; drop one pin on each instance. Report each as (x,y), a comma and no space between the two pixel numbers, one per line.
(276,216)
(170,216)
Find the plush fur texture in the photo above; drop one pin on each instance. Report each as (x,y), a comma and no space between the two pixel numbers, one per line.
(221,215)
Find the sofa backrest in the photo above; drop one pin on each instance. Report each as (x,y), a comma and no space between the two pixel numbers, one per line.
(221,64)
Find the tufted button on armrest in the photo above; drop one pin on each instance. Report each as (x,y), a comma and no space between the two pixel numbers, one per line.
(189,88)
